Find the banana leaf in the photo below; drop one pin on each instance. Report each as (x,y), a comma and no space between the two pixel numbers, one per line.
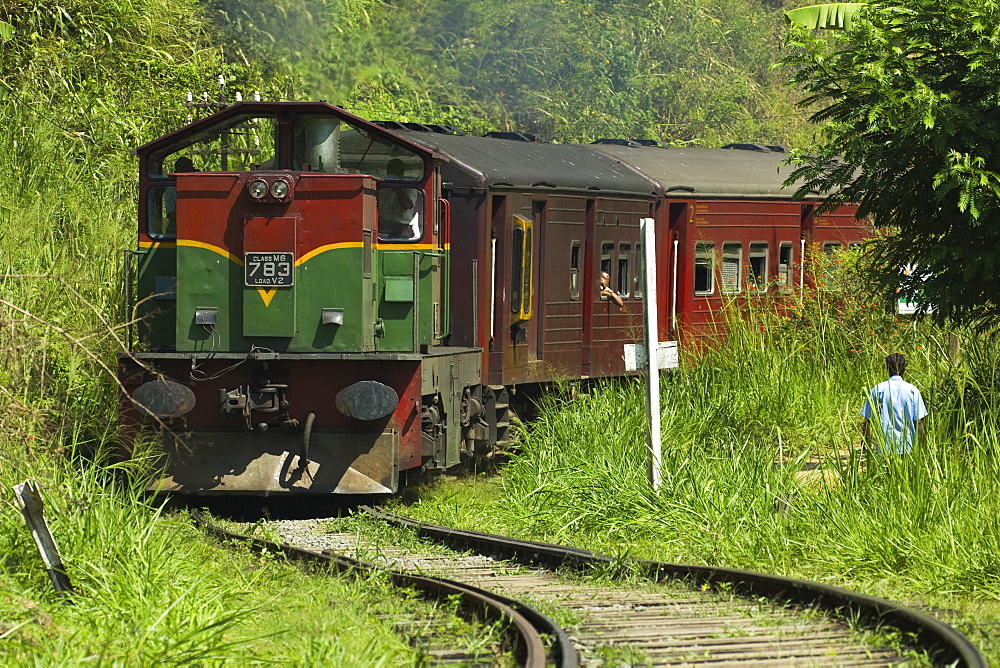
(832,15)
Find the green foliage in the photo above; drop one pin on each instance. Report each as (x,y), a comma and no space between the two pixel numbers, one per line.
(319,45)
(79,86)
(576,70)
(910,125)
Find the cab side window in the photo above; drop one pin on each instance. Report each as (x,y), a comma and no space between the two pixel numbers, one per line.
(161,201)
(399,214)
(161,213)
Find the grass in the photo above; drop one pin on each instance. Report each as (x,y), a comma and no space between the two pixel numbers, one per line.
(761,468)
(149,588)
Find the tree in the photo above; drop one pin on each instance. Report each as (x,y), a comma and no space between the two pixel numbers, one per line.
(682,71)
(910,130)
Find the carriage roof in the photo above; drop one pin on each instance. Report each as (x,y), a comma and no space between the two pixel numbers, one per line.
(709,172)
(504,163)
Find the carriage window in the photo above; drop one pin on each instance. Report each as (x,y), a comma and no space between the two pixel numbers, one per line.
(758,266)
(574,270)
(786,256)
(704,268)
(624,279)
(607,251)
(831,247)
(732,266)
(639,277)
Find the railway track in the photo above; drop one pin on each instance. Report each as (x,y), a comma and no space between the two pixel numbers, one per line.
(530,638)
(639,613)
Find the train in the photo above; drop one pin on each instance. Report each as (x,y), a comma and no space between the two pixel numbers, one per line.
(321,304)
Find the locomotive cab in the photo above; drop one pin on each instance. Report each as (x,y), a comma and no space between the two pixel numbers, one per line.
(290,200)
(287,281)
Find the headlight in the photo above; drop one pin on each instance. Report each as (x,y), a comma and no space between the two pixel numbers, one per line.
(367,400)
(279,189)
(164,399)
(257,188)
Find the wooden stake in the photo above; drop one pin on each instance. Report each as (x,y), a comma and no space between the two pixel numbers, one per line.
(30,500)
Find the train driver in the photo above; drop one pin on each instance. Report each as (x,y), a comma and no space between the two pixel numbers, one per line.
(399,208)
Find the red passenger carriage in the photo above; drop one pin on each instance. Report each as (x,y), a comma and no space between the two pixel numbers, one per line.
(732,228)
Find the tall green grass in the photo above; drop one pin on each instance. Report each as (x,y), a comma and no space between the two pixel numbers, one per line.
(138,598)
(762,468)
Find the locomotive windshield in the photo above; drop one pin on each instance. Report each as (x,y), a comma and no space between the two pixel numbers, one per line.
(242,143)
(322,143)
(329,144)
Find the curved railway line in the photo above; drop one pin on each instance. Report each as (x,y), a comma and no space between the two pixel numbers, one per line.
(634,613)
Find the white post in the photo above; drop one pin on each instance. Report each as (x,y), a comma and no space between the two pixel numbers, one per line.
(802,271)
(652,347)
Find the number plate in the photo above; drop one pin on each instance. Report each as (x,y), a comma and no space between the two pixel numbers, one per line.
(268,270)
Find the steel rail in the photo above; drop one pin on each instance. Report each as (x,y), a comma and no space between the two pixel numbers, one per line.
(944,644)
(525,625)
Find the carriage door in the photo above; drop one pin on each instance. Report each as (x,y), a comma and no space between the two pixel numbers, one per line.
(583,282)
(561,225)
(522,281)
(538,216)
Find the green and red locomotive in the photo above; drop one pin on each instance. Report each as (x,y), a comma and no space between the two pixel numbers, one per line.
(323,303)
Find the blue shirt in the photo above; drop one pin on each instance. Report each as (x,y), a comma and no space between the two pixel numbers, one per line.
(899,406)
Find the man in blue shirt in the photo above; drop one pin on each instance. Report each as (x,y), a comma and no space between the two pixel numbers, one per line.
(899,407)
